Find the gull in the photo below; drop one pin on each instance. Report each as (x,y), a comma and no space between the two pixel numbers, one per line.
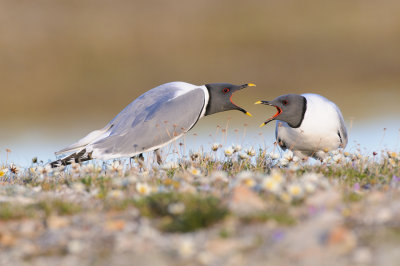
(155,119)
(309,124)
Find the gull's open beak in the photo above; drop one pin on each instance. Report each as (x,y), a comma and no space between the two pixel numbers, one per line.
(240,108)
(248,85)
(279,111)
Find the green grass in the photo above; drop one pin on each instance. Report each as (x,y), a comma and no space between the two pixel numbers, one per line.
(44,208)
(199,211)
(282,217)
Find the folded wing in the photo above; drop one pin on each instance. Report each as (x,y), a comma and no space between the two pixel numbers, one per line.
(151,121)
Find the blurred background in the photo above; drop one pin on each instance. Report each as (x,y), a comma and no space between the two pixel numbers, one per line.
(68,67)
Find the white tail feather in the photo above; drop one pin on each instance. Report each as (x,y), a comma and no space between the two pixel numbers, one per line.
(90,138)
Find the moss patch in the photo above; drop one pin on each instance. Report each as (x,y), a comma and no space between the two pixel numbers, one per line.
(197,211)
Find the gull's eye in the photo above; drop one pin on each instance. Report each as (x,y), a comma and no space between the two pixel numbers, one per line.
(225,90)
(284,102)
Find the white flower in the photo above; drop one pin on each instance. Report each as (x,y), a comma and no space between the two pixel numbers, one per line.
(288,157)
(274,155)
(334,152)
(170,166)
(243,156)
(273,182)
(115,194)
(44,171)
(250,152)
(143,188)
(277,176)
(283,162)
(295,190)
(311,177)
(271,185)
(176,208)
(219,176)
(285,197)
(215,147)
(228,152)
(309,187)
(194,171)
(326,160)
(246,178)
(236,147)
(338,158)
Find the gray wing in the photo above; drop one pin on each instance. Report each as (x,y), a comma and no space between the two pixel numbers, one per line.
(151,121)
(342,130)
(280,141)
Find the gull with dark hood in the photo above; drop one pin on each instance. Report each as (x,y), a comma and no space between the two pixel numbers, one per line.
(156,118)
(221,97)
(290,108)
(309,124)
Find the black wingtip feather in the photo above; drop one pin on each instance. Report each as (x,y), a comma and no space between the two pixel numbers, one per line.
(76,157)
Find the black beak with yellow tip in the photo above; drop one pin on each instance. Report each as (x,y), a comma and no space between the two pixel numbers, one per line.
(220,97)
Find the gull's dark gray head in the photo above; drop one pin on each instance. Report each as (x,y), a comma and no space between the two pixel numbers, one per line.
(221,97)
(291,109)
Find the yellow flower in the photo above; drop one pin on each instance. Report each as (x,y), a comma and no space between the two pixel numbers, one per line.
(249,182)
(392,162)
(2,172)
